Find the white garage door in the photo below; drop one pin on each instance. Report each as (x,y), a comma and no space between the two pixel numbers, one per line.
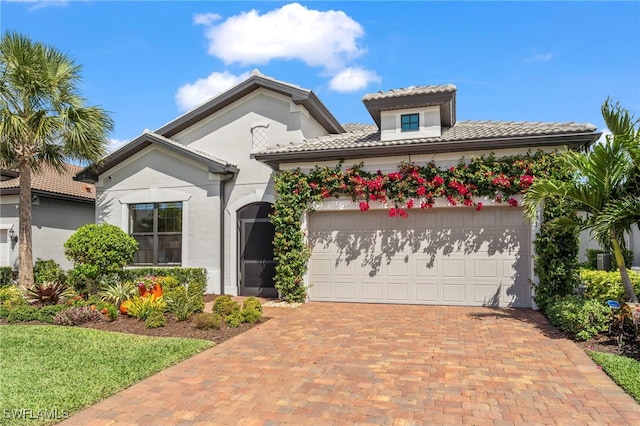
(446,256)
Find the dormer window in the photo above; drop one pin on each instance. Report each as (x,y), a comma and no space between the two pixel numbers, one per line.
(410,122)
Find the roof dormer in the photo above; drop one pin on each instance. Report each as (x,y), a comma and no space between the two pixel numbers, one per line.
(413,112)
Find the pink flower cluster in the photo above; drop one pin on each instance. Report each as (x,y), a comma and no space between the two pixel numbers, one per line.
(501,180)
(394,211)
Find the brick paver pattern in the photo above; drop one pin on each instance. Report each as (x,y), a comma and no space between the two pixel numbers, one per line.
(330,363)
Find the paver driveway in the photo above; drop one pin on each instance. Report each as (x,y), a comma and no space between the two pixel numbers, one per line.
(326,363)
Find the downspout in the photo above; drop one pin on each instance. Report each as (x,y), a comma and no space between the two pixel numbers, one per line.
(223,206)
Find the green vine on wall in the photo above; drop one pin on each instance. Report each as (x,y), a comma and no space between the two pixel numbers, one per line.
(410,187)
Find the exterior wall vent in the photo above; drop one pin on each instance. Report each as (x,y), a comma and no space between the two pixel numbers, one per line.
(260,136)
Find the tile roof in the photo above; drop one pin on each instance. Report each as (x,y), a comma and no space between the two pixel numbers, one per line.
(410,91)
(363,135)
(48,180)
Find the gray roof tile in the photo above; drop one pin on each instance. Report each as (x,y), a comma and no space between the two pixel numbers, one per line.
(410,91)
(363,135)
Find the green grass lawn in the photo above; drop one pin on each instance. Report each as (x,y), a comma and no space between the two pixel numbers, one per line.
(49,371)
(624,371)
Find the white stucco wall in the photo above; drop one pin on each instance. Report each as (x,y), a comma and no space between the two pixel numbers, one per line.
(157,174)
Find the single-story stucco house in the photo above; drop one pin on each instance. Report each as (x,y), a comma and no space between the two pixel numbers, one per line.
(60,206)
(198,191)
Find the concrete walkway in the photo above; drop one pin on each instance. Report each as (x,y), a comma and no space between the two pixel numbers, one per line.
(325,363)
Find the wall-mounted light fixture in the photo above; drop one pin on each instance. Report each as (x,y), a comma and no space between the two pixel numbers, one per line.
(13,238)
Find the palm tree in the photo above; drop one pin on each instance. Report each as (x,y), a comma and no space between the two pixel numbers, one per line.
(605,186)
(43,120)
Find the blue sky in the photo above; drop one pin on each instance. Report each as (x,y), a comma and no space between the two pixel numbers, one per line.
(147,62)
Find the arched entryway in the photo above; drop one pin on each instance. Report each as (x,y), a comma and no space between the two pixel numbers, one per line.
(255,256)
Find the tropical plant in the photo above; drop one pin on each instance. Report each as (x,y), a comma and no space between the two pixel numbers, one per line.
(48,293)
(44,122)
(604,185)
(143,307)
(181,304)
(118,292)
(76,315)
(97,250)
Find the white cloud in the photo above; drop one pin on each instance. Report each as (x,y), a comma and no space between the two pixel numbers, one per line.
(603,137)
(115,144)
(352,79)
(546,57)
(193,94)
(39,4)
(325,39)
(206,18)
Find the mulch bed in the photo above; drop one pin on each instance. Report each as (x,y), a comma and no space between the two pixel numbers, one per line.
(609,344)
(174,328)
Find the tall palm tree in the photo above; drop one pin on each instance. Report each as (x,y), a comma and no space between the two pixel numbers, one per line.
(604,186)
(43,120)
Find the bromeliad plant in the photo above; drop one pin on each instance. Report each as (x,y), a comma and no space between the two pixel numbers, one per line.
(411,186)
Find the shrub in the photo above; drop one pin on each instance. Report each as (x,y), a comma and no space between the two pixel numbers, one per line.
(180,304)
(48,271)
(11,296)
(224,305)
(234,319)
(252,303)
(155,319)
(99,249)
(143,307)
(22,314)
(208,321)
(592,258)
(251,315)
(49,293)
(46,313)
(118,292)
(582,318)
(556,263)
(6,276)
(603,285)
(76,315)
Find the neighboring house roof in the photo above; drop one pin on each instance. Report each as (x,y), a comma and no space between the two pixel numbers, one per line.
(414,97)
(298,95)
(215,165)
(47,181)
(364,141)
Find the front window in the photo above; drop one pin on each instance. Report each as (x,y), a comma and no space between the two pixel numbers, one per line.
(157,227)
(410,122)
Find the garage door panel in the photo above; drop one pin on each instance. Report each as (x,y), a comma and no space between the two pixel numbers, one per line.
(487,294)
(485,268)
(454,293)
(373,291)
(453,268)
(321,290)
(425,266)
(345,291)
(472,260)
(427,293)
(398,292)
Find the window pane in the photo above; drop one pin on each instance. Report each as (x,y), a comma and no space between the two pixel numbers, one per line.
(170,217)
(410,122)
(169,249)
(144,255)
(141,218)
